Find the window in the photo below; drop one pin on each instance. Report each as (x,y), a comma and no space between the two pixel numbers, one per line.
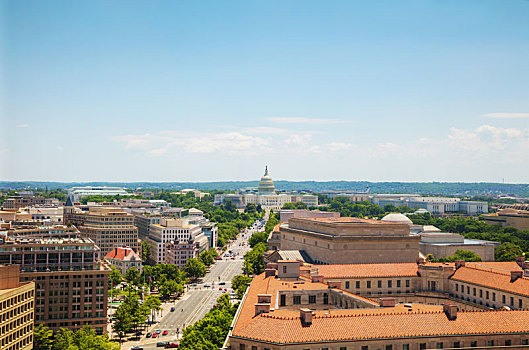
(457,287)
(390,284)
(254,347)
(525,341)
(422,346)
(365,347)
(473,344)
(242,347)
(490,343)
(503,299)
(407,283)
(312,299)
(512,301)
(389,347)
(284,269)
(325,298)
(493,296)
(405,346)
(368,284)
(468,290)
(457,344)
(379,284)
(343,348)
(520,304)
(481,293)
(439,345)
(357,284)
(474,291)
(346,284)
(283,300)
(508,342)
(297,299)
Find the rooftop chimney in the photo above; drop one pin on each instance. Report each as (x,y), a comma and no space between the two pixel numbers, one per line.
(317,278)
(270,272)
(460,263)
(388,302)
(451,311)
(261,308)
(334,284)
(520,260)
(264,298)
(515,275)
(306,316)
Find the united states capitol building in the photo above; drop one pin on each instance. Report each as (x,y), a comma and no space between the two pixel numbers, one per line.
(265,195)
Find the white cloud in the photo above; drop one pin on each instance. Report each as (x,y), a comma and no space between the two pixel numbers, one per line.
(158,152)
(22,125)
(302,120)
(298,140)
(507,115)
(4,150)
(60,148)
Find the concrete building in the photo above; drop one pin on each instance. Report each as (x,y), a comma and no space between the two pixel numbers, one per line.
(71,282)
(17,306)
(144,218)
(403,306)
(434,205)
(123,258)
(519,219)
(287,214)
(48,216)
(350,240)
(174,232)
(444,244)
(13,230)
(108,227)
(17,202)
(76,193)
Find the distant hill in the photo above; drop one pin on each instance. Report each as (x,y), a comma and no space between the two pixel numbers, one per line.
(425,188)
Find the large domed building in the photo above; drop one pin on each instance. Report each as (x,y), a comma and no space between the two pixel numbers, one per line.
(397,217)
(266,185)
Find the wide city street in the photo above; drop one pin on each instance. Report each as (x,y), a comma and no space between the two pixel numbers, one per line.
(196,302)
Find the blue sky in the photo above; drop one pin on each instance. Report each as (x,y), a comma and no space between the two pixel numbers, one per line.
(214,90)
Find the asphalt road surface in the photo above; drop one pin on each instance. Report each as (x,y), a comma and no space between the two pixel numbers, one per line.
(198,300)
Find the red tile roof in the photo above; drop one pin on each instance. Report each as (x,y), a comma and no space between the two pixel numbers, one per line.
(367,270)
(122,253)
(494,275)
(369,324)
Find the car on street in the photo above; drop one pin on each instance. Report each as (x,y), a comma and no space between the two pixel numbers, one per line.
(225,289)
(162,344)
(154,335)
(136,348)
(148,335)
(220,288)
(158,331)
(172,309)
(171,346)
(165,332)
(232,258)
(218,258)
(222,283)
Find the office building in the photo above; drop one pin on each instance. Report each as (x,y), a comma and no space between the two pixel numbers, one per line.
(17,202)
(76,193)
(176,232)
(71,282)
(434,205)
(108,227)
(17,303)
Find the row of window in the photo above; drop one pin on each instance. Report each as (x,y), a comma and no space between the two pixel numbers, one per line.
(389,284)
(473,291)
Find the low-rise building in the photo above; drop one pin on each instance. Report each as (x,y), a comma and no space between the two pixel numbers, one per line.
(284,308)
(17,202)
(17,306)
(287,214)
(519,219)
(76,193)
(123,258)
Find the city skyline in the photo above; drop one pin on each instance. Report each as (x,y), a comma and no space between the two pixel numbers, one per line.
(152,91)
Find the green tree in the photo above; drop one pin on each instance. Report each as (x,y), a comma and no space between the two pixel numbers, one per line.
(132,275)
(254,259)
(240,283)
(114,277)
(42,338)
(507,252)
(64,339)
(170,287)
(194,269)
(258,237)
(145,251)
(87,339)
(122,320)
(153,304)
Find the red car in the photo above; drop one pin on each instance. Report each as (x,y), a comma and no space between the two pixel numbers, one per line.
(172,345)
(165,333)
(220,288)
(154,335)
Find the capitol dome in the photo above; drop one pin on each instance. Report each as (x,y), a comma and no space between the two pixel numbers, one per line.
(266,185)
(397,217)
